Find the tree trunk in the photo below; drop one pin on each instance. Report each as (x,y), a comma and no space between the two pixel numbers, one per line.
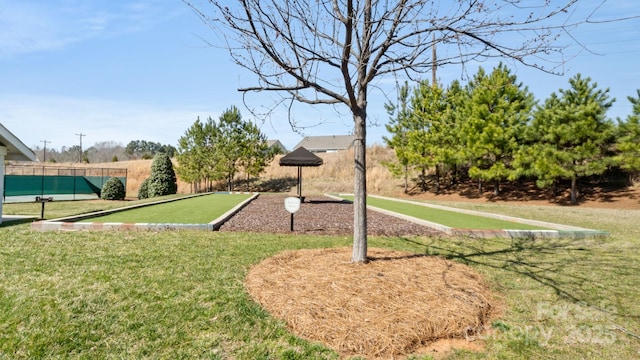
(437,178)
(496,188)
(574,191)
(454,177)
(360,189)
(406,179)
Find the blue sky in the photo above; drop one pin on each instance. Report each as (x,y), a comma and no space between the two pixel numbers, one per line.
(139,70)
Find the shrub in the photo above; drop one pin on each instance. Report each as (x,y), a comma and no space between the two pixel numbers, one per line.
(143,191)
(113,189)
(163,177)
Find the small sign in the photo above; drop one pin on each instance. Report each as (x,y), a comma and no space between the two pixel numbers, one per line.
(292,204)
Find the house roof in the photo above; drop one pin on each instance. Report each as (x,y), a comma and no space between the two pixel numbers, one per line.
(300,157)
(276,143)
(327,143)
(16,149)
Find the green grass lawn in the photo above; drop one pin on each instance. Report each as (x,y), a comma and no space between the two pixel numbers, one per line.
(451,219)
(181,294)
(196,210)
(58,209)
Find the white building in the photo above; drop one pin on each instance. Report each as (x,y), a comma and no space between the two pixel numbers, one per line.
(11,148)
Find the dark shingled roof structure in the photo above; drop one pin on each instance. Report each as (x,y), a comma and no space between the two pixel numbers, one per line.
(300,157)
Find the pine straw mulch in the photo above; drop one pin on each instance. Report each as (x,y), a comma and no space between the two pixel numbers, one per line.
(394,305)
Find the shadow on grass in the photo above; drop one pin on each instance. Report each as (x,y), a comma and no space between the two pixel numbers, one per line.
(6,224)
(579,270)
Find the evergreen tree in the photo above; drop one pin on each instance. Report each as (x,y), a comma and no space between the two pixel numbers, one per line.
(628,139)
(162,180)
(428,123)
(398,126)
(230,144)
(497,113)
(570,136)
(424,130)
(196,154)
(143,190)
(147,149)
(256,154)
(113,189)
(452,151)
(213,151)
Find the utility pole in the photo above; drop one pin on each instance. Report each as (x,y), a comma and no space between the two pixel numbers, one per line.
(44,157)
(81,135)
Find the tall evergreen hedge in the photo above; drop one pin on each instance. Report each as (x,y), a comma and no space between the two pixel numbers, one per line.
(162,180)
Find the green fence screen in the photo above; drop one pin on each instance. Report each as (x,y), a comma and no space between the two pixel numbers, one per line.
(43,180)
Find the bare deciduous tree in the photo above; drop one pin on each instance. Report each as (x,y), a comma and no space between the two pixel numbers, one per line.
(336,51)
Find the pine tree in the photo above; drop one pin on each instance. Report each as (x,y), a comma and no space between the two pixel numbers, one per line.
(452,150)
(213,151)
(424,130)
(196,154)
(497,113)
(256,154)
(570,136)
(628,139)
(398,127)
(230,144)
(424,138)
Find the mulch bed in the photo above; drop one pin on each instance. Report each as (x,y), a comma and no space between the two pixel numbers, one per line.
(317,215)
(394,305)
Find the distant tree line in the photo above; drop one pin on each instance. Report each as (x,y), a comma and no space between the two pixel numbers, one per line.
(142,149)
(105,151)
(210,151)
(493,130)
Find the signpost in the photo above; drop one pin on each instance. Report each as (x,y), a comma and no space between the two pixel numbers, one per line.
(292,205)
(43,200)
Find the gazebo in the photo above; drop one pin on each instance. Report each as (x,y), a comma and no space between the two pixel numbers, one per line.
(300,157)
(11,148)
